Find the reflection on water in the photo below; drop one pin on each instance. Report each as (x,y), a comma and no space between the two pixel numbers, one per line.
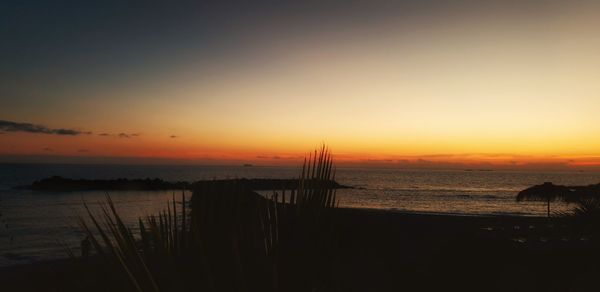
(37,220)
(452,191)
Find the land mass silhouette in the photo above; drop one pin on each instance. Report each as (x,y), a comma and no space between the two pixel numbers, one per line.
(57,183)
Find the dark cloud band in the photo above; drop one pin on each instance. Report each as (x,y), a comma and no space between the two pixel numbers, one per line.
(127,135)
(9,126)
(120,135)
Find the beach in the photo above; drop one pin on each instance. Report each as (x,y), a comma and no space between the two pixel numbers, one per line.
(395,230)
(379,250)
(34,221)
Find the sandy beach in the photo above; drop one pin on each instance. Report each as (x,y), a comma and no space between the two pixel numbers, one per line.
(391,251)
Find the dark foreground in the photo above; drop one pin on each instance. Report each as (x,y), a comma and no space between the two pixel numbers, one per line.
(388,251)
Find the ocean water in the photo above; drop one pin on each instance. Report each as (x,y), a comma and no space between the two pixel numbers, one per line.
(35,225)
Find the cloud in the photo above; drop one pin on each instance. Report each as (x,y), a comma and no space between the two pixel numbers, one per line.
(128,135)
(120,135)
(380,160)
(48,149)
(9,126)
(173,136)
(278,157)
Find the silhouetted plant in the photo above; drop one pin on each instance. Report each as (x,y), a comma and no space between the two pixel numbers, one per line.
(298,232)
(118,246)
(585,217)
(588,209)
(234,239)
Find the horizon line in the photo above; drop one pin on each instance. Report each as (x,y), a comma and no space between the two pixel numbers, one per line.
(417,164)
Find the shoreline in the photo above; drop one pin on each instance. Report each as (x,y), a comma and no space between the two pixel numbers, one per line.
(397,214)
(433,213)
(376,246)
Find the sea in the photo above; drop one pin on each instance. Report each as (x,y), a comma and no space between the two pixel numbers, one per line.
(37,225)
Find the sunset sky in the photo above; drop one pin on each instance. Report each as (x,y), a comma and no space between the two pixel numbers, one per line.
(409,83)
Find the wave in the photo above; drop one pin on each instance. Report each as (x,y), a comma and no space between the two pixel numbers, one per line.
(463,214)
(444,189)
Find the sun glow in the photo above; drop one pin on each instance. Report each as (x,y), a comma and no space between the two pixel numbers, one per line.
(483,89)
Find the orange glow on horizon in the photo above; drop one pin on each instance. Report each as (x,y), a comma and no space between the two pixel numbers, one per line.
(504,89)
(188,151)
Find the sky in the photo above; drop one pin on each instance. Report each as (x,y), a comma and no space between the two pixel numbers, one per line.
(482,84)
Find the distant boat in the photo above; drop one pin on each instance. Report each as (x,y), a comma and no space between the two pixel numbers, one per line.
(248,165)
